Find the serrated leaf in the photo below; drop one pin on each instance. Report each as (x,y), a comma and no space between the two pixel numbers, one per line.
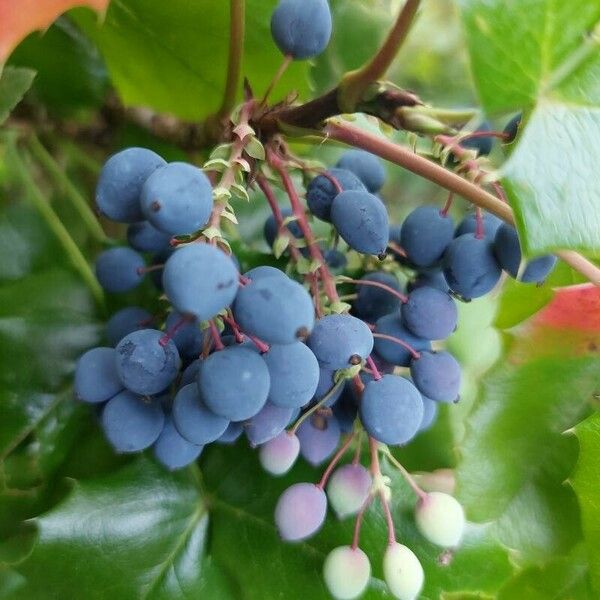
(14,82)
(522,50)
(179,50)
(18,20)
(553,208)
(255,149)
(280,245)
(585,484)
(515,457)
(141,518)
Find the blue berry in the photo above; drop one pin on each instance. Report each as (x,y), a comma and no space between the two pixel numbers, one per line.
(146,365)
(436,375)
(96,377)
(194,421)
(366,166)
(374,302)
(482,145)
(267,424)
(491,223)
(391,351)
(126,321)
(470,267)
(200,280)
(430,411)
(325,385)
(321,191)
(512,128)
(391,409)
(507,249)
(278,455)
(277,310)
(335,260)
(430,313)
(264,271)
(301,28)
(270,230)
(132,423)
(144,237)
(294,374)
(425,235)
(231,434)
(190,375)
(177,198)
(430,277)
(186,334)
(119,269)
(361,219)
(173,451)
(337,340)
(319,436)
(120,183)
(234,383)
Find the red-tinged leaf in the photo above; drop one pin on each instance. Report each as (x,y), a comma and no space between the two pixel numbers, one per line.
(576,308)
(19,19)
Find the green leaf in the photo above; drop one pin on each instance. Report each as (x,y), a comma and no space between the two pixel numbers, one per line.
(14,82)
(138,532)
(515,457)
(544,55)
(555,208)
(559,578)
(177,53)
(242,499)
(585,484)
(522,50)
(71,74)
(520,301)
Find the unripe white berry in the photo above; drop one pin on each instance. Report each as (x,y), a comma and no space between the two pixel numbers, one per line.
(348,489)
(346,572)
(441,519)
(403,572)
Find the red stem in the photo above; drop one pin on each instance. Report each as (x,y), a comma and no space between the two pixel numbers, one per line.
(334,461)
(144,270)
(358,523)
(262,346)
(376,472)
(298,210)
(168,336)
(396,340)
(448,205)
(378,284)
(230,320)
(374,369)
(479,233)
(216,336)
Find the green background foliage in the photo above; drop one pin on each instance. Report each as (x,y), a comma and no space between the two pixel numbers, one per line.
(523,443)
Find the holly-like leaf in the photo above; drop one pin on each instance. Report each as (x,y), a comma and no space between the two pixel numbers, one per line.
(523,49)
(564,577)
(585,484)
(18,19)
(543,55)
(515,456)
(555,209)
(179,50)
(138,532)
(14,82)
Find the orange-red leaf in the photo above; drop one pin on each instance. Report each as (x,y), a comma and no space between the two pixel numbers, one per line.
(18,18)
(576,308)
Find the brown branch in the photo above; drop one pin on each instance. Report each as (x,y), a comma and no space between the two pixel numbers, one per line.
(353,136)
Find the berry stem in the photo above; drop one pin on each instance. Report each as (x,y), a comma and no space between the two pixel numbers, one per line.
(317,406)
(216,336)
(391,338)
(287,61)
(373,367)
(168,336)
(315,252)
(377,284)
(335,460)
(448,205)
(357,452)
(358,522)
(262,346)
(407,476)
(230,320)
(479,233)
(150,269)
(266,189)
(377,476)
